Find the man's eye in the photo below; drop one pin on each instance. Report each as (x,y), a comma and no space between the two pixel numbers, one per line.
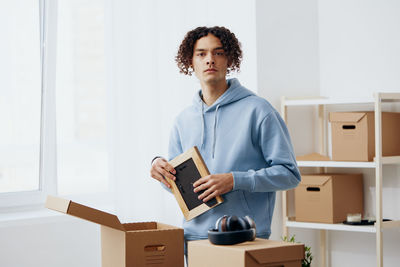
(201,54)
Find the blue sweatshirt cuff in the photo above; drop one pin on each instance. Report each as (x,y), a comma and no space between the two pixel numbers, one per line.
(242,181)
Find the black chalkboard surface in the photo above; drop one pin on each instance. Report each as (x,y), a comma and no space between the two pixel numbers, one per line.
(186,175)
(189,168)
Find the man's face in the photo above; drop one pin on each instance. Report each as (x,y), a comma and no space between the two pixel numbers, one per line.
(209,60)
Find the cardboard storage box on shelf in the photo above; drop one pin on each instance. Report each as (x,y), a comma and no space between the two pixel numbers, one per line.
(128,244)
(328,198)
(257,253)
(353,135)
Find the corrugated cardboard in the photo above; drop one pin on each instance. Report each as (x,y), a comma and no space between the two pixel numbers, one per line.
(129,244)
(353,135)
(257,253)
(328,198)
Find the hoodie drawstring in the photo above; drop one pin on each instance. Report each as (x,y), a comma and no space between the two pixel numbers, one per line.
(202,125)
(215,131)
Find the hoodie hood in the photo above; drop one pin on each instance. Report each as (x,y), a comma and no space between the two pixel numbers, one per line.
(235,92)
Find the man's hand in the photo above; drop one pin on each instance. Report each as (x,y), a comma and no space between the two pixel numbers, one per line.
(214,185)
(160,168)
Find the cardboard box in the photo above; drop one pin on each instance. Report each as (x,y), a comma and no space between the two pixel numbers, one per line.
(328,198)
(353,135)
(257,253)
(129,244)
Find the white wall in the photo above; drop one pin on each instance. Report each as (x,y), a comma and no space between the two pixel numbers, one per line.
(359,46)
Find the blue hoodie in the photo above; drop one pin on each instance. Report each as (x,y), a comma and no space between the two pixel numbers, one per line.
(242,134)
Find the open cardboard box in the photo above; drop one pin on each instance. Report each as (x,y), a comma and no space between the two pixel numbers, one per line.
(129,244)
(257,253)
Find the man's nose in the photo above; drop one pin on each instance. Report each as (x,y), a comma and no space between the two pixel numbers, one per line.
(210,59)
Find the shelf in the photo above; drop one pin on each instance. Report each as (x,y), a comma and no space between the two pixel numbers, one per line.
(391,224)
(326,101)
(312,101)
(336,164)
(342,227)
(330,226)
(390,97)
(377,101)
(349,164)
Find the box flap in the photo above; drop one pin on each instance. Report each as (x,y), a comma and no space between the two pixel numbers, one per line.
(315,180)
(83,212)
(286,252)
(346,116)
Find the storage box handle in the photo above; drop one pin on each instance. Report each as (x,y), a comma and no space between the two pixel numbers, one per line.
(154,248)
(348,127)
(313,189)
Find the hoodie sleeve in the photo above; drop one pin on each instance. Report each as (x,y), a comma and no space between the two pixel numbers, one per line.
(174,148)
(281,172)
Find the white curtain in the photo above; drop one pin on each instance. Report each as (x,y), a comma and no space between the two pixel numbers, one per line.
(146,90)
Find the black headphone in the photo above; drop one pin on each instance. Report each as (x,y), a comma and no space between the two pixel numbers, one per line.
(230,230)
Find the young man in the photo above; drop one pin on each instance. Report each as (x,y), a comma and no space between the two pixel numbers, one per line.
(243,140)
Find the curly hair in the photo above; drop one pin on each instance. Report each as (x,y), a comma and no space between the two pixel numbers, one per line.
(229,42)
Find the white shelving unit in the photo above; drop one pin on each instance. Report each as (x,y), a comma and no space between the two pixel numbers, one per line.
(377,164)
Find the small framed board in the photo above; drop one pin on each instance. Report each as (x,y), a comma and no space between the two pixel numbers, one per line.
(190,167)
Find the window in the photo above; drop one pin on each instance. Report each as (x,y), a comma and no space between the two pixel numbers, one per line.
(53,138)
(20,96)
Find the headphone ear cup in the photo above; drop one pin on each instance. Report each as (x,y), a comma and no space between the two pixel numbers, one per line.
(223,224)
(220,224)
(232,223)
(252,225)
(244,225)
(250,222)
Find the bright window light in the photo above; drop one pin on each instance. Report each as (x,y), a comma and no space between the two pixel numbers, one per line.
(20,96)
(81,106)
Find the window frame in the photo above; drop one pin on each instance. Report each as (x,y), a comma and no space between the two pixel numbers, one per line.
(47,160)
(35,199)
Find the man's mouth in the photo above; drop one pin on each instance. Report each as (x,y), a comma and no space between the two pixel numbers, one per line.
(210,70)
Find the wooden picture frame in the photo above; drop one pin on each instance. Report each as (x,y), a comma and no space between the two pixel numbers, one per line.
(189,168)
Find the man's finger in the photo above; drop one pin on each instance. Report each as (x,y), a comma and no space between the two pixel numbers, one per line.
(160,178)
(202,180)
(202,186)
(167,174)
(210,196)
(168,167)
(205,194)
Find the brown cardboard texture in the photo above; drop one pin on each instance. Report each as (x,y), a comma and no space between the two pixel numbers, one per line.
(353,135)
(328,198)
(129,244)
(257,253)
